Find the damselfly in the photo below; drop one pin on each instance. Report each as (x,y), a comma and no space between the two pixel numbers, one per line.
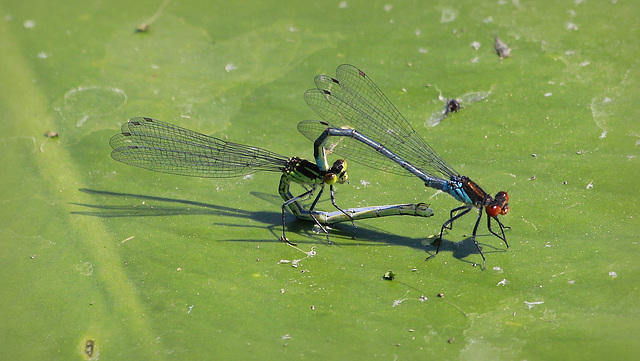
(453,105)
(361,124)
(163,147)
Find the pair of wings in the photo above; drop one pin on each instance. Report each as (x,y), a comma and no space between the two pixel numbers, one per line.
(352,100)
(163,147)
(437,116)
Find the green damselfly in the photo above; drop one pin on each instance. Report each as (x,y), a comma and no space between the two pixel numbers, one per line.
(162,147)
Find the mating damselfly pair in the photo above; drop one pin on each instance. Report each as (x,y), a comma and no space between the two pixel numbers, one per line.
(359,123)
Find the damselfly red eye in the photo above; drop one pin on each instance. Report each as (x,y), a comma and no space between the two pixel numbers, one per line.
(502,195)
(494,210)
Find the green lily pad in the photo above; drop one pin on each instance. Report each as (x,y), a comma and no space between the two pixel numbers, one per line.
(105,261)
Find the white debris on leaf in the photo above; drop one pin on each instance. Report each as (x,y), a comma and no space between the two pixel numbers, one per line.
(397,302)
(448,15)
(530,305)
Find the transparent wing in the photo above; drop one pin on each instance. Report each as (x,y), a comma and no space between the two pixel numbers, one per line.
(473,97)
(352,100)
(436,117)
(162,147)
(350,148)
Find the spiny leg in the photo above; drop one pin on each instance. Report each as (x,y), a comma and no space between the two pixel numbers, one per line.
(473,236)
(284,206)
(448,225)
(503,237)
(333,201)
(312,207)
(453,215)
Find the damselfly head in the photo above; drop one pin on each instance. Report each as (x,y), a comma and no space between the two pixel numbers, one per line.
(343,177)
(499,205)
(330,178)
(337,173)
(502,197)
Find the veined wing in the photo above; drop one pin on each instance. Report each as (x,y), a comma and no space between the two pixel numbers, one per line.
(436,117)
(163,147)
(352,100)
(473,97)
(350,148)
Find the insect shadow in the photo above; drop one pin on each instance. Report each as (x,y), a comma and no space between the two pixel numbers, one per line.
(342,235)
(460,249)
